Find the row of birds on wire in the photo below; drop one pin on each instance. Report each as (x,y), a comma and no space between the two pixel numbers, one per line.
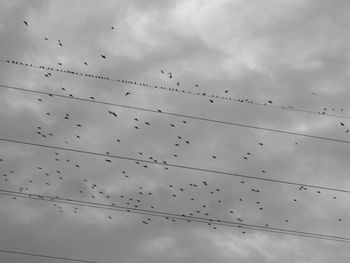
(324,111)
(327,111)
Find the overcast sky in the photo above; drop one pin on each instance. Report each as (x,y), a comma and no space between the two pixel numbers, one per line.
(288,53)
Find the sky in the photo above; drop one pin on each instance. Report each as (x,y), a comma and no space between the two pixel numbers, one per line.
(277,68)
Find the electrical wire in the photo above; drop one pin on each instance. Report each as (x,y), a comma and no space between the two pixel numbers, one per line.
(44,256)
(181,115)
(208,221)
(176,166)
(198,93)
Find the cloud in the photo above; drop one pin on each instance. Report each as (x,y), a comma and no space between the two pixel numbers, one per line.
(283,51)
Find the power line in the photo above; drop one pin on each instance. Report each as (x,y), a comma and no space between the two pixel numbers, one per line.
(167,215)
(44,256)
(175,165)
(180,115)
(182,91)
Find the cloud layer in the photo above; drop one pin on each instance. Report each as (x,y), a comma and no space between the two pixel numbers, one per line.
(291,53)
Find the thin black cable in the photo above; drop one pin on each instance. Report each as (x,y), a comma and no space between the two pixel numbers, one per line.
(44,256)
(180,115)
(198,93)
(209,221)
(176,165)
(183,218)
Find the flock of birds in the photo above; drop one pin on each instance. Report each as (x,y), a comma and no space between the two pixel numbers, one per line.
(324,110)
(203,198)
(332,112)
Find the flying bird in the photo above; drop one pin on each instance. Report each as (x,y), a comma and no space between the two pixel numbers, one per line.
(25,22)
(113,113)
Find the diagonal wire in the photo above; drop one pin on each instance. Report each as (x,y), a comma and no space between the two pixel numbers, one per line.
(176,166)
(180,115)
(198,93)
(44,256)
(167,215)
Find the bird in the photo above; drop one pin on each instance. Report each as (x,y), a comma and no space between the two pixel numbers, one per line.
(25,22)
(85,63)
(112,27)
(128,93)
(113,113)
(211,101)
(103,56)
